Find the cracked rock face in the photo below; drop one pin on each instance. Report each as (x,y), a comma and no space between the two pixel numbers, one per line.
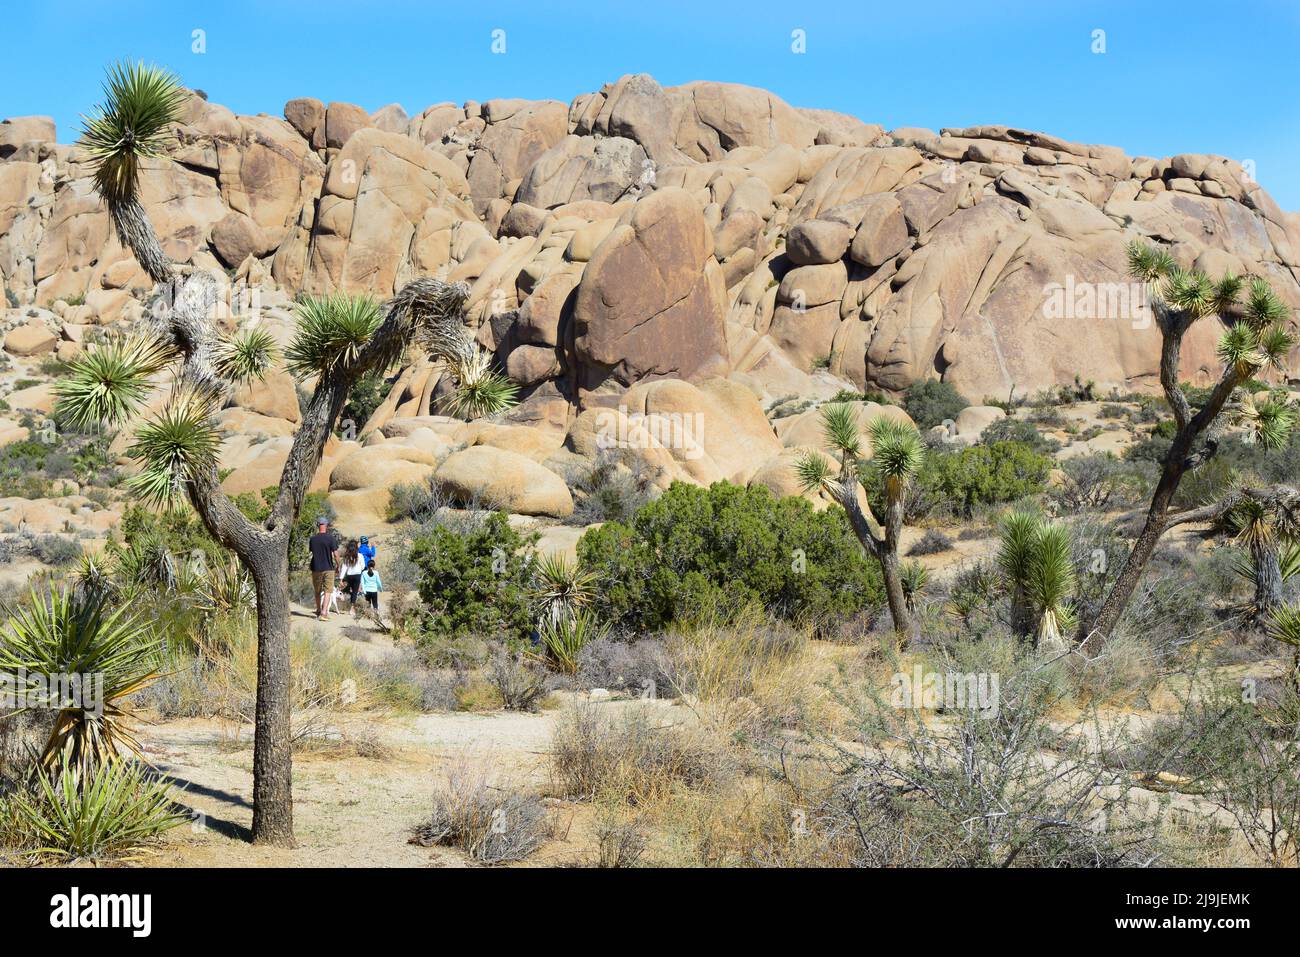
(645,232)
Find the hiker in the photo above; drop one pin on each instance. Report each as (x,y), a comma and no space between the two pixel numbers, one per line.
(367,550)
(350,570)
(324,546)
(371,585)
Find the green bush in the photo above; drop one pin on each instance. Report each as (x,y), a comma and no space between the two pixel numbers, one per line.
(1018,430)
(474,583)
(985,474)
(932,401)
(694,550)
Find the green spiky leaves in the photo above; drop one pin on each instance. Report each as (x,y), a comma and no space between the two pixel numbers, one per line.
(840,427)
(246,356)
(1284,626)
(1149,263)
(897,449)
(332,331)
(1034,556)
(172,448)
(133,123)
(814,471)
(106,384)
(479,390)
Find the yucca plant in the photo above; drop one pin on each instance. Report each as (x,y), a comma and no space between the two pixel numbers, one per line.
(109,381)
(1051,583)
(76,811)
(1284,626)
(914,577)
(897,455)
(1259,337)
(247,355)
(227,591)
(340,339)
(141,103)
(59,635)
(478,390)
(172,447)
(1034,558)
(1018,532)
(564,638)
(561,588)
(93,578)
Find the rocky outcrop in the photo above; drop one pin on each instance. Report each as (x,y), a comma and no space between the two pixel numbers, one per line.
(640,258)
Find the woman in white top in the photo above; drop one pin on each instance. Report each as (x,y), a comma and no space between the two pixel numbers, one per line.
(350,569)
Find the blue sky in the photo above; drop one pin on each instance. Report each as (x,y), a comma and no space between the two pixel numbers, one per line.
(1208,77)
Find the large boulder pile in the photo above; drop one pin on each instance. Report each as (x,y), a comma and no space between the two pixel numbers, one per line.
(643,260)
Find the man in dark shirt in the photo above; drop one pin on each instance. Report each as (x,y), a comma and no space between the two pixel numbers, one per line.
(324,547)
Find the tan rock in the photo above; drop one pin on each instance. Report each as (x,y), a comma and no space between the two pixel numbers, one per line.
(496,478)
(30,339)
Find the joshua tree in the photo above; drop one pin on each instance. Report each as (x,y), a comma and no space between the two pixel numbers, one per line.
(339,339)
(1034,556)
(1267,527)
(897,454)
(1257,337)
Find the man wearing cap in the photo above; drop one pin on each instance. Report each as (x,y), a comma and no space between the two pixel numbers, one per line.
(324,547)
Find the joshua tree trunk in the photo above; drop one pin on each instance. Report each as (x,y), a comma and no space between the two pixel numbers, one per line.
(272,748)
(1190,428)
(1267,560)
(882,542)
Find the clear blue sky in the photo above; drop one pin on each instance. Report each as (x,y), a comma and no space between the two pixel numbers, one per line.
(1211,77)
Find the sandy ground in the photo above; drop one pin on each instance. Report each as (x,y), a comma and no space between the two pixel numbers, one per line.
(355,804)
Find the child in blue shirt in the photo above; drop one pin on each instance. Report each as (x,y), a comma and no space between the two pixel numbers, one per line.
(371,585)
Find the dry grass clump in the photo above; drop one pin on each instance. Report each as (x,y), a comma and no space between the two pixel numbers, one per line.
(746,676)
(492,826)
(637,758)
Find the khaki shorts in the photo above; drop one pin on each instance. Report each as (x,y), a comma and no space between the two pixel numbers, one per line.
(321,582)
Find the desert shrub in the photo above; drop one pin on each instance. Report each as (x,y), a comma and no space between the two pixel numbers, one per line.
(610,492)
(632,759)
(520,683)
(473,582)
(931,401)
(931,543)
(492,826)
(1229,752)
(56,550)
(975,592)
(694,550)
(1018,430)
(1207,483)
(417,501)
(914,792)
(621,838)
(984,475)
(401,679)
(1099,481)
(1153,448)
(624,666)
